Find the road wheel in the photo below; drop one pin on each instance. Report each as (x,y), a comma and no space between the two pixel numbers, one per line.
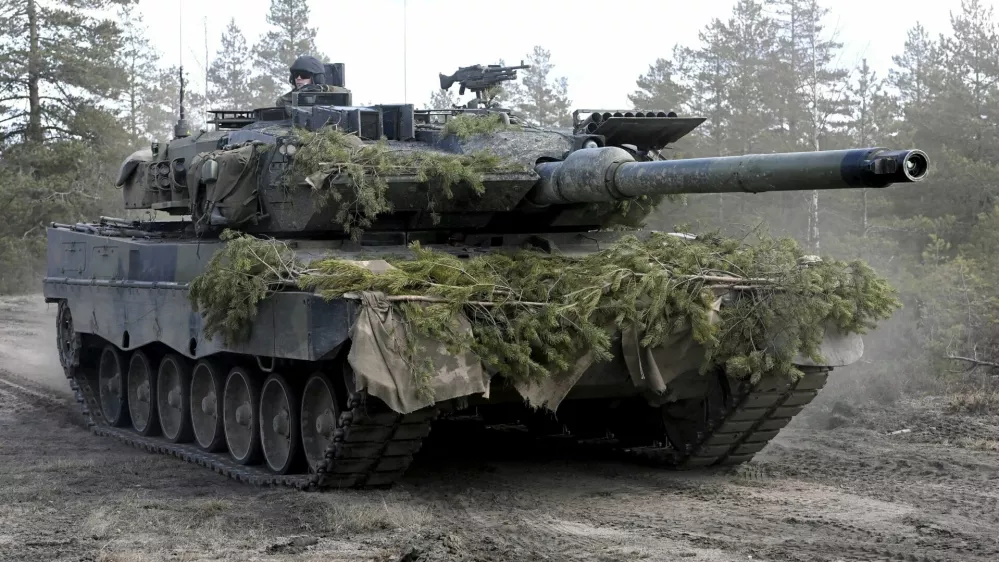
(319,415)
(241,413)
(279,424)
(173,386)
(142,395)
(207,384)
(113,387)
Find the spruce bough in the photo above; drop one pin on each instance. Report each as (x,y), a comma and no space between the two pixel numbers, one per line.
(364,167)
(533,314)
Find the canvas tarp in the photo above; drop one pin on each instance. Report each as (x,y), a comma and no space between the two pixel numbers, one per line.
(378,357)
(234,196)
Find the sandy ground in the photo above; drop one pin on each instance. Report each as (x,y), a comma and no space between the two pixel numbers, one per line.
(831,488)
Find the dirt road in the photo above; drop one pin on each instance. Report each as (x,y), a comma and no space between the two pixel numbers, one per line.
(854,492)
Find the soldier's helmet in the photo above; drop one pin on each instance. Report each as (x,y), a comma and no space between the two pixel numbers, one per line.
(310,65)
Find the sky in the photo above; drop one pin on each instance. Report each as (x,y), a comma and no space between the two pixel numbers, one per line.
(393,50)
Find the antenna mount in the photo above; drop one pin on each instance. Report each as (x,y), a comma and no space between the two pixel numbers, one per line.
(181,129)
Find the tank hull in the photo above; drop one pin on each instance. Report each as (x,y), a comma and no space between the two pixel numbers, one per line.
(124,308)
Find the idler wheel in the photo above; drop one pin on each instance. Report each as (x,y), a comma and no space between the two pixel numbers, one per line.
(142,395)
(279,424)
(241,413)
(320,414)
(207,384)
(173,385)
(112,382)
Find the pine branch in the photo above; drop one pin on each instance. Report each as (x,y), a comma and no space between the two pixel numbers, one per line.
(533,313)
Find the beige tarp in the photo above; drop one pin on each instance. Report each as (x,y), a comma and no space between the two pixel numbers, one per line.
(549,392)
(378,354)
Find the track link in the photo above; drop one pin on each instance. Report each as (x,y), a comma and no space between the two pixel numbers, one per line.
(755,416)
(370,448)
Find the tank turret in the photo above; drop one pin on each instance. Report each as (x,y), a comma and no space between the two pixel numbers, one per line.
(243,174)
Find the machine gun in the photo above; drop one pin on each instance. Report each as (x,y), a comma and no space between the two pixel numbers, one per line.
(478,78)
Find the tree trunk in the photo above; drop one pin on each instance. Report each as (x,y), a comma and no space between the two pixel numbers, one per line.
(35,133)
(865,213)
(133,124)
(814,211)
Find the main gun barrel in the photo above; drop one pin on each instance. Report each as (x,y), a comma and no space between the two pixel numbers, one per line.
(592,175)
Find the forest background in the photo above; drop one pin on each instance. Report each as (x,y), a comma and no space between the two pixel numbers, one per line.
(78,92)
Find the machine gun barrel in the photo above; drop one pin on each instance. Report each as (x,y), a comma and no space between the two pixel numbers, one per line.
(592,175)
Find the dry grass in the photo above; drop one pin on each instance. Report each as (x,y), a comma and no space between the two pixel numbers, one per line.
(978,444)
(136,522)
(347,513)
(980,401)
(136,526)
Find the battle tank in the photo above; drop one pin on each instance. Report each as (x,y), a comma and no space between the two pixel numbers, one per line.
(288,405)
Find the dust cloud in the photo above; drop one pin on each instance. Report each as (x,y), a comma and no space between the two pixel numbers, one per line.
(28,341)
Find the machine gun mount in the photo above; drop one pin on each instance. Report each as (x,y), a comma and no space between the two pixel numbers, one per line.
(479,79)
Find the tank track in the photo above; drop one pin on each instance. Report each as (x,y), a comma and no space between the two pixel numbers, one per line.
(742,427)
(373,447)
(369,449)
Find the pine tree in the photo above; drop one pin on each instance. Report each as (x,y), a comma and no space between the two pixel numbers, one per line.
(730,74)
(916,72)
(812,89)
(873,122)
(661,88)
(441,99)
(140,62)
(971,80)
(538,99)
(229,76)
(290,38)
(56,57)
(744,45)
(162,108)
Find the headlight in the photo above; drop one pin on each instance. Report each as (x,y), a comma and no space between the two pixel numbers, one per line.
(291,150)
(591,144)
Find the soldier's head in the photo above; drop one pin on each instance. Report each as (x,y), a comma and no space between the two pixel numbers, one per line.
(306,70)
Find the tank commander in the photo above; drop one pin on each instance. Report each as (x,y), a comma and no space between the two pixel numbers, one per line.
(307,74)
